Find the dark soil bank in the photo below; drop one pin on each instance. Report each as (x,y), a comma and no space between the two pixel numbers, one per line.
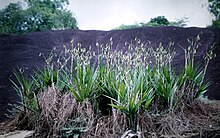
(23,51)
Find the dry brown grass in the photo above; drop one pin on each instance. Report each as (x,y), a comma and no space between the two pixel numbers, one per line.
(197,119)
(108,126)
(56,109)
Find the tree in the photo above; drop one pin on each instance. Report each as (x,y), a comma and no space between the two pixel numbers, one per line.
(40,15)
(52,4)
(214,8)
(157,21)
(9,17)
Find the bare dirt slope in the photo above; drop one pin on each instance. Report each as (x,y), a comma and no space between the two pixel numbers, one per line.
(23,51)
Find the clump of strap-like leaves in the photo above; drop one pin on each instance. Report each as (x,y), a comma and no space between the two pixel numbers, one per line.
(134,81)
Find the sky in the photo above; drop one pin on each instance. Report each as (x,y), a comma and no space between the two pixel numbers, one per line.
(108,14)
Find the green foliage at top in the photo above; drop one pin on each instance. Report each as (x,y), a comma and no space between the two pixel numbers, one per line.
(52,4)
(160,20)
(214,8)
(157,21)
(39,15)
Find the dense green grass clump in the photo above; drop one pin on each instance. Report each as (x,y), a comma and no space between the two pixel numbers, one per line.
(134,83)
